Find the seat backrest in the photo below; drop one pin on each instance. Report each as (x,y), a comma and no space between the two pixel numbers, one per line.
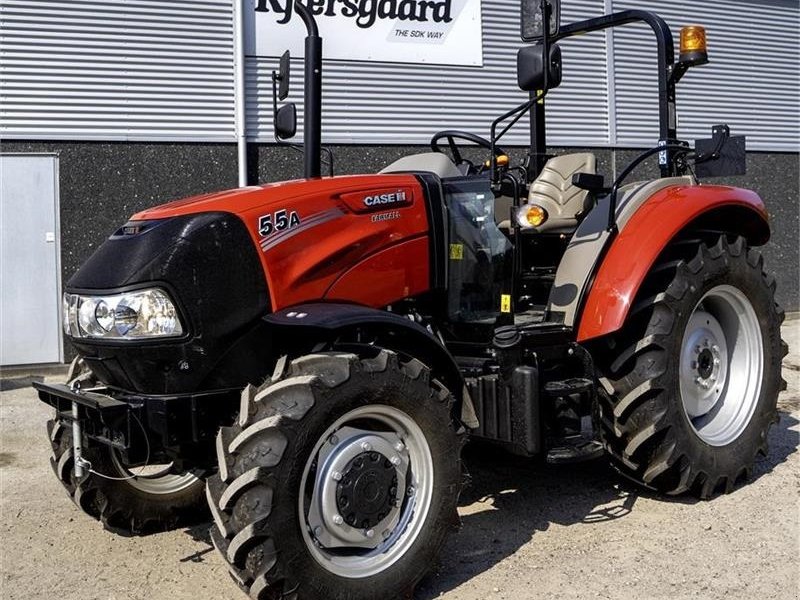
(553,189)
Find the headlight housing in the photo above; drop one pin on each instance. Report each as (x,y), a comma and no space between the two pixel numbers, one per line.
(136,315)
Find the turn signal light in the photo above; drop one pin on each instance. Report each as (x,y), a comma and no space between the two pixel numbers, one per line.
(531,216)
(694,45)
(502,161)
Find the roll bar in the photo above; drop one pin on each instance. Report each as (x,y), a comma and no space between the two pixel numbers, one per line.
(666,82)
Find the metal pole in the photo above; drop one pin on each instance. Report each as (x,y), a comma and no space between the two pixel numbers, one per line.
(77,443)
(240,118)
(312,118)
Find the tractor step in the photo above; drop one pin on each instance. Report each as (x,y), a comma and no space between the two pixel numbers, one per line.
(575,449)
(567,387)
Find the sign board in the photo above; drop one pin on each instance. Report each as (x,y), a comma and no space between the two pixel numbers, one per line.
(442,32)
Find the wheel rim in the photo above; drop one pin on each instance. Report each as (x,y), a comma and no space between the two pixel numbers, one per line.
(360,513)
(721,365)
(153,479)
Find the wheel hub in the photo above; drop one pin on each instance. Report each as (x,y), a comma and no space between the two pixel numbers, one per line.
(703,366)
(368,490)
(355,501)
(722,365)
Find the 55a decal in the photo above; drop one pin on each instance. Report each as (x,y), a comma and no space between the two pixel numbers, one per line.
(277,221)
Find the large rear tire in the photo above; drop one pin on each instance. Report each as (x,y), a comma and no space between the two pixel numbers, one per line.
(339,480)
(691,383)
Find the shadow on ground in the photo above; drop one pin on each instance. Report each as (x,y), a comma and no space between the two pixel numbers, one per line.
(522,497)
(17,383)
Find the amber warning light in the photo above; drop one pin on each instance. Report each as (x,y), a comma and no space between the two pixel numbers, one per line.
(694,46)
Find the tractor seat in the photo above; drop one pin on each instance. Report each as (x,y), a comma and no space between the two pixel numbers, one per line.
(553,190)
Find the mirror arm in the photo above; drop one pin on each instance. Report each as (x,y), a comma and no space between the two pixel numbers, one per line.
(519,111)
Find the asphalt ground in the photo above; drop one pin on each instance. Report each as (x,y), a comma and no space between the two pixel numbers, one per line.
(529,531)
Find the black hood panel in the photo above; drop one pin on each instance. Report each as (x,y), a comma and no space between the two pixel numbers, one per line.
(209,265)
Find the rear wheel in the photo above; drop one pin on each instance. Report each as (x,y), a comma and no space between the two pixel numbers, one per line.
(340,479)
(691,387)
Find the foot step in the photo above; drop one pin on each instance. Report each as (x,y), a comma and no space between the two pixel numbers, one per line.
(574,449)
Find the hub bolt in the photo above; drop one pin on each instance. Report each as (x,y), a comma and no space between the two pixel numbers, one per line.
(715,349)
(399,446)
(716,362)
(317,531)
(370,533)
(336,476)
(366,446)
(410,491)
(333,440)
(338,519)
(395,460)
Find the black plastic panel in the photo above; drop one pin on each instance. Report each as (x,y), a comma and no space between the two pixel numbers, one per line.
(210,266)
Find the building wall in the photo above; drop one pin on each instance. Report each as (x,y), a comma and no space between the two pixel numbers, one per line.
(102,184)
(148,70)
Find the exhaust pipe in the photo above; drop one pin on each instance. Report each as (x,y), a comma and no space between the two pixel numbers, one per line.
(312,120)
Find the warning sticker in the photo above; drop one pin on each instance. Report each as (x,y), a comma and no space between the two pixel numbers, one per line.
(505,303)
(456,251)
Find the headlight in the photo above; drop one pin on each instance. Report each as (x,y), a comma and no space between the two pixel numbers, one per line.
(135,315)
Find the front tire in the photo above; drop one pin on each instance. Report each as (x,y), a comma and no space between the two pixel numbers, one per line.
(339,481)
(121,501)
(690,389)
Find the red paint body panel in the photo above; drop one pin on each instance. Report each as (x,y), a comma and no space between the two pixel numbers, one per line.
(641,241)
(401,271)
(338,237)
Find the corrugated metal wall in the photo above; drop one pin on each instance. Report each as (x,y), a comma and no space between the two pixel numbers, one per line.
(406,104)
(155,70)
(752,82)
(117,70)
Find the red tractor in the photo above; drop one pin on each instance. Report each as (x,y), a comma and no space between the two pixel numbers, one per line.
(306,359)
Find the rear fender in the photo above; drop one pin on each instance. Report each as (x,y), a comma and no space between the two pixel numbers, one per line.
(327,321)
(650,229)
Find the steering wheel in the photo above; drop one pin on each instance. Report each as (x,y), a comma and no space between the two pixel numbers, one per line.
(451,135)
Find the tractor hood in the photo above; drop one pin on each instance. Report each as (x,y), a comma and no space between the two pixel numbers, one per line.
(228,259)
(310,233)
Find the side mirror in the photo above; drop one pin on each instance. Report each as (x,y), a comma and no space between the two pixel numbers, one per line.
(286,121)
(532,21)
(531,70)
(283,76)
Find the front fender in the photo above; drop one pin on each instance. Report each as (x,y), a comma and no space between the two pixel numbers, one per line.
(395,332)
(654,225)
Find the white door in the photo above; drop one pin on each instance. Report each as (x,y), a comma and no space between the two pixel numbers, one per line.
(30,282)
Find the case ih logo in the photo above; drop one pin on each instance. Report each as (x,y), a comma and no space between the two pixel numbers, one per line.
(398,197)
(366,12)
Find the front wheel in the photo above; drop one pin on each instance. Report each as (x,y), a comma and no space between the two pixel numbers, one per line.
(127,500)
(340,479)
(691,386)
